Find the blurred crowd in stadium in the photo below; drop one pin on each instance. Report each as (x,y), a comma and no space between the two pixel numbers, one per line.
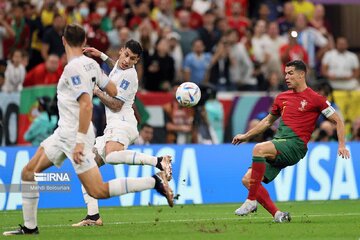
(221,45)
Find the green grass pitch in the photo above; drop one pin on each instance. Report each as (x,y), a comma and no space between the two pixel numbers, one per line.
(310,220)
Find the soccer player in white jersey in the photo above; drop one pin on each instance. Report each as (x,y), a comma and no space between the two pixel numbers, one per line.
(74,137)
(121,129)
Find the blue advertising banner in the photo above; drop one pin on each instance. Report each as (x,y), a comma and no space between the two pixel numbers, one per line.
(202,174)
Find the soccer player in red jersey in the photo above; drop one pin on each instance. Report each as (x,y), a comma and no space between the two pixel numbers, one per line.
(298,110)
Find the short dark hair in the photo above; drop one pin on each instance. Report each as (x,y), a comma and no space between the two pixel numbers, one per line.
(134,46)
(298,64)
(74,35)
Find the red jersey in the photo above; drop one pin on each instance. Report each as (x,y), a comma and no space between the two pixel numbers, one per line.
(40,76)
(299,112)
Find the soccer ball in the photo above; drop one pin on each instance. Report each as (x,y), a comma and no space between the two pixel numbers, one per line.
(188,94)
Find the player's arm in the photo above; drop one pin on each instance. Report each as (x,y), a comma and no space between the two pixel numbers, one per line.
(136,112)
(110,62)
(93,52)
(259,128)
(110,89)
(85,115)
(340,129)
(111,102)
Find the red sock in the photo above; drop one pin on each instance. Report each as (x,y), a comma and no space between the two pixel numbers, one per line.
(257,173)
(264,199)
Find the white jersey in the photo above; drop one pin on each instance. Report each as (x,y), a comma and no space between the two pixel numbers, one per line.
(79,76)
(126,82)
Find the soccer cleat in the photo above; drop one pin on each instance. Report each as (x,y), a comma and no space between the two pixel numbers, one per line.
(166,166)
(88,222)
(22,231)
(162,187)
(248,206)
(281,217)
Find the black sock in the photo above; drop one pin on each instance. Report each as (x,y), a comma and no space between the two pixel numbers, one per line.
(28,230)
(158,185)
(156,180)
(158,165)
(93,217)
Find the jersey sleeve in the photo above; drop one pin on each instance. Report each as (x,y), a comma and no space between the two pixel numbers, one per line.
(103,80)
(77,82)
(275,108)
(325,106)
(127,86)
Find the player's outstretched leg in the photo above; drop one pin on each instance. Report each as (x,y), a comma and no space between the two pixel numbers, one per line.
(93,216)
(135,158)
(96,188)
(263,196)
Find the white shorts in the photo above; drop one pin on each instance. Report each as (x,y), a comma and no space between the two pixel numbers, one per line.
(125,135)
(57,149)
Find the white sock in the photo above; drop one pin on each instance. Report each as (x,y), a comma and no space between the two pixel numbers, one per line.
(92,203)
(30,200)
(130,157)
(120,186)
(277,213)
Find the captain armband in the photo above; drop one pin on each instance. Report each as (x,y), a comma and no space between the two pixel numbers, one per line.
(327,112)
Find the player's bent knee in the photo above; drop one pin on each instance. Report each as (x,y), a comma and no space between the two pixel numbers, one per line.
(99,192)
(259,150)
(27,174)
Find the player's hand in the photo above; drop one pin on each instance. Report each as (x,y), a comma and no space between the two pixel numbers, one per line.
(239,138)
(343,152)
(96,90)
(78,153)
(92,52)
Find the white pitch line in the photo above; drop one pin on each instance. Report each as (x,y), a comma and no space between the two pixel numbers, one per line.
(202,219)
